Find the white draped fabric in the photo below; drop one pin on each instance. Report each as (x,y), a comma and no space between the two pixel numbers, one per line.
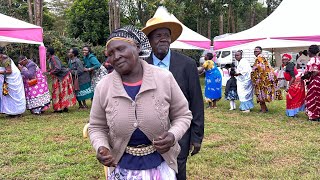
(244,84)
(14,103)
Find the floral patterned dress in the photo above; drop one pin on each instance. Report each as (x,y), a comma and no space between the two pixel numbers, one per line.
(63,95)
(265,82)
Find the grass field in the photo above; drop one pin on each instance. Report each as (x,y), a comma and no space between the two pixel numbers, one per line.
(236,146)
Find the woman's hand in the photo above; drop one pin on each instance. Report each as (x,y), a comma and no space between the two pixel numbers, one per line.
(105,157)
(20,67)
(164,142)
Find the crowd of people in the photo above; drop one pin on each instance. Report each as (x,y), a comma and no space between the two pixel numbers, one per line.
(147,115)
(25,86)
(302,90)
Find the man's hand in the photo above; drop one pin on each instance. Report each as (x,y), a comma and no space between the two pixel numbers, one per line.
(164,142)
(195,148)
(105,157)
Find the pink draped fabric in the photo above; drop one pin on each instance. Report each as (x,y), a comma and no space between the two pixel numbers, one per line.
(202,44)
(26,34)
(300,38)
(226,44)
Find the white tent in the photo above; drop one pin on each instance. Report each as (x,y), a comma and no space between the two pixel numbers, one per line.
(290,28)
(188,38)
(16,31)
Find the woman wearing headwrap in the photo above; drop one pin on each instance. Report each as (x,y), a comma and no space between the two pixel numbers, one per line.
(138,112)
(84,91)
(265,82)
(213,81)
(312,75)
(35,86)
(296,92)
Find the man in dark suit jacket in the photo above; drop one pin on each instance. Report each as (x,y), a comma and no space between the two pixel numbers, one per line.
(184,69)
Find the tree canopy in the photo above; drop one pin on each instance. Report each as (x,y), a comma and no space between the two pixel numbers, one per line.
(88,20)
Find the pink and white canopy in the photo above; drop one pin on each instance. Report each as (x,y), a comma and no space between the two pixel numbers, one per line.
(188,39)
(16,31)
(292,25)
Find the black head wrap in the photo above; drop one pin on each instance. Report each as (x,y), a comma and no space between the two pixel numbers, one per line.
(137,36)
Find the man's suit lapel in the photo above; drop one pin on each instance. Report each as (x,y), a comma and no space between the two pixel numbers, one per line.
(173,64)
(149,60)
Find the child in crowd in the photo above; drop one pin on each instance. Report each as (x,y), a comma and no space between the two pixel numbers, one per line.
(231,90)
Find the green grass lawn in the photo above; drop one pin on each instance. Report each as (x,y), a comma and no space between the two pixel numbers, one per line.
(236,146)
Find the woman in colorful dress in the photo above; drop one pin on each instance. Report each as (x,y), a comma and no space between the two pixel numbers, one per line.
(12,96)
(138,113)
(35,86)
(312,76)
(264,81)
(213,81)
(244,83)
(78,74)
(93,66)
(295,97)
(63,95)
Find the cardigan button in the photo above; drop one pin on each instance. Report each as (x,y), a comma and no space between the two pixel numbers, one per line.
(135,125)
(133,104)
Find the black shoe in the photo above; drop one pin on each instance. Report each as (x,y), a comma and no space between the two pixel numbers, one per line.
(14,116)
(58,111)
(65,110)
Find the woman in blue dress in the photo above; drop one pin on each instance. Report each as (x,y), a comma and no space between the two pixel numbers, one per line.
(213,81)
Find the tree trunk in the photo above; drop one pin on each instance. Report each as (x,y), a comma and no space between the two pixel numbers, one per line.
(41,12)
(114,15)
(30,12)
(37,12)
(209,29)
(233,22)
(198,25)
(253,16)
(9,3)
(229,18)
(268,7)
(111,16)
(117,14)
(221,24)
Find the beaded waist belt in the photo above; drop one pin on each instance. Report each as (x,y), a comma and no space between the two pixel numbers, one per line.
(140,151)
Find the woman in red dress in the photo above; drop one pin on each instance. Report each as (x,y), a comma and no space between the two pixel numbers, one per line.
(296,91)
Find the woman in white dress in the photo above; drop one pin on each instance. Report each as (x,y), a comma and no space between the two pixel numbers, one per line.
(244,84)
(12,96)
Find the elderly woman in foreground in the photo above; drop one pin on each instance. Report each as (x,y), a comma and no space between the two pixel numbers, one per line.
(138,113)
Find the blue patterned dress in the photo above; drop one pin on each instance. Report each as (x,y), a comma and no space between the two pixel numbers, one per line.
(213,81)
